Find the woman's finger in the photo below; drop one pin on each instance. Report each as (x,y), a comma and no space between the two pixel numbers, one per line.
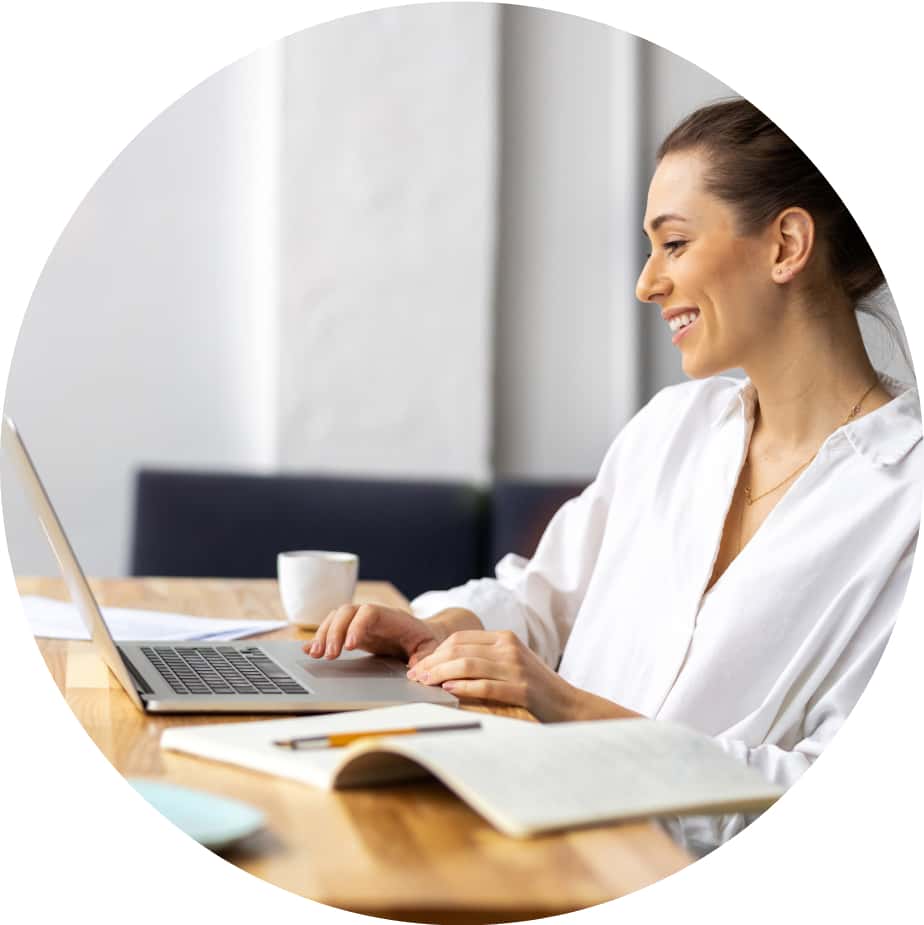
(360,628)
(424,651)
(443,653)
(336,630)
(464,668)
(475,638)
(476,643)
(315,648)
(320,635)
(498,691)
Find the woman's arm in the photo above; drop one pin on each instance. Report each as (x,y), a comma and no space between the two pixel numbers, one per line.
(498,666)
(453,649)
(538,599)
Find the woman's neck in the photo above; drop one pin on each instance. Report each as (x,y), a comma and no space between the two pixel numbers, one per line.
(809,377)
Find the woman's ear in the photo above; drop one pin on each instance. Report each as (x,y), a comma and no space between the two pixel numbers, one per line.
(794,231)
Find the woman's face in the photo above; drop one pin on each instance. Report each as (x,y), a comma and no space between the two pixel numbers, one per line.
(713,286)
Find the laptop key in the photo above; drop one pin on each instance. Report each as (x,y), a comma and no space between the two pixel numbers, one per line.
(221,670)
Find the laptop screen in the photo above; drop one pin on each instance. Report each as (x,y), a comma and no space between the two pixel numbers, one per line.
(71,571)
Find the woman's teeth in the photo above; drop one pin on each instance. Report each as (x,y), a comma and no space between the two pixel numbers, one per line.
(681,321)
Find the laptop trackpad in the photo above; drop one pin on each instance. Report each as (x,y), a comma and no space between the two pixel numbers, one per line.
(357,668)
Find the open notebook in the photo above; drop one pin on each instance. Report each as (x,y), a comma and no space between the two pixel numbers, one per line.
(524,778)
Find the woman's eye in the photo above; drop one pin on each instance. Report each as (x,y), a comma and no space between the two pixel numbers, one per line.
(671,246)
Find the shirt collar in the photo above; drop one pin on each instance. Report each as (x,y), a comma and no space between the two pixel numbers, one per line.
(888,434)
(885,436)
(743,397)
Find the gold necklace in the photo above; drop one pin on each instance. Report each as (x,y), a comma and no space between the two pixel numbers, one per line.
(854,411)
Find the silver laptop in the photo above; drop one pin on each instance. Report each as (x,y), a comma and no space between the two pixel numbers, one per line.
(273,676)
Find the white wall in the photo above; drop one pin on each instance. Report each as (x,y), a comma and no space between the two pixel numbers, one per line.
(135,346)
(388,217)
(290,268)
(567,365)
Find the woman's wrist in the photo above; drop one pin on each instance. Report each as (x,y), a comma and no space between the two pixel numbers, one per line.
(452,620)
(582,705)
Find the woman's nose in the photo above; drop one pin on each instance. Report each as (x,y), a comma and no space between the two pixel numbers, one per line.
(651,284)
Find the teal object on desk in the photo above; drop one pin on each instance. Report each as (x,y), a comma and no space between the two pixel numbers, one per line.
(213,821)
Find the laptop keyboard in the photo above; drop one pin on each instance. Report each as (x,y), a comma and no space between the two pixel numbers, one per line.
(220,670)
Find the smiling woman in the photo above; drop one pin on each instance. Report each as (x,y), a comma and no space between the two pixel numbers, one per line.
(739,561)
(756,263)
(766,230)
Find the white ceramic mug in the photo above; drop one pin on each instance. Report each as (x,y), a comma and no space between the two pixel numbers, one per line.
(312,583)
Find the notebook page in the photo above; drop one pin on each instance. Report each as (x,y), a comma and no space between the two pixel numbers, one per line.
(539,778)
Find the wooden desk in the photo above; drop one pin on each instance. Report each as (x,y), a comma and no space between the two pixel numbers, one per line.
(412,852)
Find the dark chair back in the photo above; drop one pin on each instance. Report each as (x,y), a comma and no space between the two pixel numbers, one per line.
(520,512)
(417,535)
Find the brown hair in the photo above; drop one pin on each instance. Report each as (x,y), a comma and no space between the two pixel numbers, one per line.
(758,170)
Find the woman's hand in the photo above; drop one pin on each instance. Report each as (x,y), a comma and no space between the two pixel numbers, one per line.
(377,629)
(496,666)
(499,667)
(386,631)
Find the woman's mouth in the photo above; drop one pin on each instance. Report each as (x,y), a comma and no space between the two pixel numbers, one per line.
(681,323)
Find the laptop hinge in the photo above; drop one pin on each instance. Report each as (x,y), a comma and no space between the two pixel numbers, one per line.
(137,677)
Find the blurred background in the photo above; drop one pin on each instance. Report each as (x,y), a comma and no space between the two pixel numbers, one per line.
(373,284)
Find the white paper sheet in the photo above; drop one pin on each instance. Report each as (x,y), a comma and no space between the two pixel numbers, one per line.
(60,620)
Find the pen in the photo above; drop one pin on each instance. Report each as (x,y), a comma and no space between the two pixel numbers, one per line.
(339,739)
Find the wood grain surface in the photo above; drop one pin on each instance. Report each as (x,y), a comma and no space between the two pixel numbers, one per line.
(413,852)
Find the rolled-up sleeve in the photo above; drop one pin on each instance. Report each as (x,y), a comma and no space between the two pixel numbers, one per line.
(538,598)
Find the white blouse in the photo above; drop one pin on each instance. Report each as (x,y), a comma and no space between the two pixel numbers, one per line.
(772,659)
